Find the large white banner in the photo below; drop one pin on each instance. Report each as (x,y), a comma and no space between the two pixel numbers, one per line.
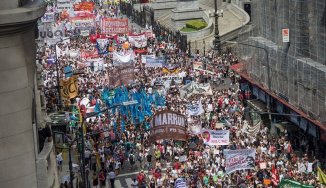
(239,160)
(139,41)
(216,137)
(194,88)
(120,59)
(64,5)
(154,62)
(195,108)
(144,57)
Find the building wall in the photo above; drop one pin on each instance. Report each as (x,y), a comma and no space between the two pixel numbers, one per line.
(297,69)
(17,73)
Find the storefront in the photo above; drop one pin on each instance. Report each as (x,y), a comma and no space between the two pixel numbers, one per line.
(299,126)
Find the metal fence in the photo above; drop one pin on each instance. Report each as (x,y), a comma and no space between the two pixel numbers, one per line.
(145,17)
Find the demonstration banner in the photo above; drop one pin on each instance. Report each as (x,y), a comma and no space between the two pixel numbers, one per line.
(89,54)
(69,88)
(64,5)
(285,183)
(84,6)
(123,75)
(194,88)
(96,64)
(239,160)
(83,23)
(177,78)
(127,74)
(195,108)
(138,41)
(170,69)
(167,124)
(154,62)
(48,17)
(122,59)
(111,26)
(144,57)
(216,137)
(197,65)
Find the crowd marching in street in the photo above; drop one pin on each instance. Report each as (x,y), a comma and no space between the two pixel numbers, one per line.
(173,116)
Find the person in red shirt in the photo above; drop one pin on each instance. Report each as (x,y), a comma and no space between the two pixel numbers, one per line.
(141,177)
(176,165)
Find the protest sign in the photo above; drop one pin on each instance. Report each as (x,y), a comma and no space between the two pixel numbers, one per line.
(177,78)
(64,5)
(144,57)
(262,165)
(111,26)
(126,74)
(194,88)
(195,108)
(197,65)
(291,183)
(138,41)
(216,137)
(69,88)
(239,160)
(68,71)
(83,23)
(154,62)
(121,59)
(48,17)
(167,124)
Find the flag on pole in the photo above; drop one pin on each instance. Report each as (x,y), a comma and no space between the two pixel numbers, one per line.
(321,176)
(275,176)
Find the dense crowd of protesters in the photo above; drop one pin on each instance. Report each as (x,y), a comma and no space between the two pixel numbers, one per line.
(201,165)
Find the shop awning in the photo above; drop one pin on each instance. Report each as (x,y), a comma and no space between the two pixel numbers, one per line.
(239,67)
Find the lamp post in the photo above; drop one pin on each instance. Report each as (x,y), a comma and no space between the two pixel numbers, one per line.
(204,47)
(217,40)
(57,70)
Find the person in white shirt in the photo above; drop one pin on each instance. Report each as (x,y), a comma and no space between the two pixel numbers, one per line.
(59,160)
(134,183)
(112,178)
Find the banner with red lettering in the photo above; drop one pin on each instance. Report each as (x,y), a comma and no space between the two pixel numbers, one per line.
(138,41)
(89,54)
(111,26)
(84,6)
(83,22)
(241,159)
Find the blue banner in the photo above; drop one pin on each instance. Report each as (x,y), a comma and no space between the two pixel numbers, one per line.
(154,62)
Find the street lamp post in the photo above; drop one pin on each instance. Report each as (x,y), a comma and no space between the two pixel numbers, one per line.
(204,47)
(217,40)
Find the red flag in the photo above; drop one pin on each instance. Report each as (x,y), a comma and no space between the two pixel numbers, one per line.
(275,176)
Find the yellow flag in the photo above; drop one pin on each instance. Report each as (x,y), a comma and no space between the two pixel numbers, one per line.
(321,176)
(69,88)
